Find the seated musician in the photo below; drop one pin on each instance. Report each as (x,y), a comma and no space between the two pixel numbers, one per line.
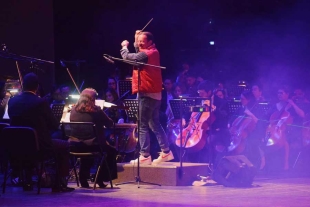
(258,92)
(285,112)
(86,111)
(117,115)
(242,123)
(58,94)
(191,85)
(219,127)
(29,110)
(218,120)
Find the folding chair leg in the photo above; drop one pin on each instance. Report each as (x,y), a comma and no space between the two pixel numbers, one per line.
(99,169)
(6,169)
(40,177)
(106,163)
(74,163)
(97,173)
(76,176)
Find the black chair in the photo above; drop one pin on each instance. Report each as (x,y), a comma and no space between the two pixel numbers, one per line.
(21,145)
(87,130)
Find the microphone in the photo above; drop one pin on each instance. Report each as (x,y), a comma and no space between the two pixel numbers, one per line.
(108,58)
(62,63)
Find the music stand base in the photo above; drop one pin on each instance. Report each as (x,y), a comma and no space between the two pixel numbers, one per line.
(138,181)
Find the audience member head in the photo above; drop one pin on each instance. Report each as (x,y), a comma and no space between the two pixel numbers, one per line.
(86,102)
(30,82)
(190,79)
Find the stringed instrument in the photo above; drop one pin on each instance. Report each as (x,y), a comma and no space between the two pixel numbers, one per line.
(194,136)
(306,131)
(239,130)
(276,130)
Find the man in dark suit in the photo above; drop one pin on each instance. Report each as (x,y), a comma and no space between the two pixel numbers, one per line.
(27,109)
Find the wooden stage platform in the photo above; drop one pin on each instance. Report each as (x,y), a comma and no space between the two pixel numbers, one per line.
(166,174)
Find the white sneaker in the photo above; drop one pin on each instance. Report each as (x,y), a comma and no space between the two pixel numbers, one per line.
(142,160)
(163,157)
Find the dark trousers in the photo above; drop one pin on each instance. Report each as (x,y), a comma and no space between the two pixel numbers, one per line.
(149,119)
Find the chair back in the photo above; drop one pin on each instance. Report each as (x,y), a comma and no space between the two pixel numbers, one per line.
(83,131)
(20,143)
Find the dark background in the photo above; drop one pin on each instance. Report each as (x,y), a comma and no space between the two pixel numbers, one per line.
(253,38)
(26,28)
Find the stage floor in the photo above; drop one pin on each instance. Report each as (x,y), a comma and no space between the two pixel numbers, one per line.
(265,192)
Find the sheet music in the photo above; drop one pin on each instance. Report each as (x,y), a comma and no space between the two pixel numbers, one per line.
(100,103)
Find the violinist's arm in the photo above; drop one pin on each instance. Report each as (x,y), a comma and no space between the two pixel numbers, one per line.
(298,110)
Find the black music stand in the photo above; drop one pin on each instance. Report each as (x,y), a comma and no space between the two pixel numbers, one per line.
(139,64)
(132,112)
(233,106)
(235,91)
(58,109)
(123,87)
(177,105)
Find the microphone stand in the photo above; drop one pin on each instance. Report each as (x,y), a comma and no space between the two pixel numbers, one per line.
(137,178)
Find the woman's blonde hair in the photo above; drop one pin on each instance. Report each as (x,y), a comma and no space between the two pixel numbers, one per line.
(86,102)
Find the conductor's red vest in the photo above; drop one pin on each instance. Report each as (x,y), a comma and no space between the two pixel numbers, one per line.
(150,77)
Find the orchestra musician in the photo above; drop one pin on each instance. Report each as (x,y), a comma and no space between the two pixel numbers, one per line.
(285,113)
(86,111)
(27,109)
(242,124)
(219,130)
(150,96)
(117,115)
(217,122)
(258,92)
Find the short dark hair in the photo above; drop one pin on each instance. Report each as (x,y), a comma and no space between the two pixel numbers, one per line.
(30,82)
(149,36)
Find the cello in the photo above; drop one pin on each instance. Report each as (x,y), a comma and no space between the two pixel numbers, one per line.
(306,131)
(239,130)
(275,134)
(194,136)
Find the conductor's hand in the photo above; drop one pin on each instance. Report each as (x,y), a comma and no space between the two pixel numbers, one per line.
(138,32)
(125,43)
